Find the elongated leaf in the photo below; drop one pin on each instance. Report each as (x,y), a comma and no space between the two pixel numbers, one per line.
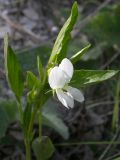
(78,55)
(13,70)
(95,52)
(32,80)
(60,46)
(43,148)
(27,117)
(87,77)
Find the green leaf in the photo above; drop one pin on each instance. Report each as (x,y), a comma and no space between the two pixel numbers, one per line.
(43,148)
(11,109)
(13,70)
(27,57)
(34,84)
(95,52)
(8,114)
(78,55)
(51,118)
(27,117)
(105,26)
(87,77)
(32,80)
(61,43)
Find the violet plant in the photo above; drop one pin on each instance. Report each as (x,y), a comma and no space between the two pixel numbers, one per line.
(57,78)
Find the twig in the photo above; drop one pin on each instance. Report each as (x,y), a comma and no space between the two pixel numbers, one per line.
(109,146)
(2,73)
(19,27)
(114,156)
(65,144)
(99,104)
(110,61)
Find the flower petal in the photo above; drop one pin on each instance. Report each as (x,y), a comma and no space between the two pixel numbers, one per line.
(67,67)
(77,94)
(65,99)
(56,78)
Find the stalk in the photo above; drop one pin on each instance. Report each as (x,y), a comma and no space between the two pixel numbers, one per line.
(30,128)
(28,150)
(40,124)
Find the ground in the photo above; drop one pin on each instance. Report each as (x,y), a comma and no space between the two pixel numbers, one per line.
(33,24)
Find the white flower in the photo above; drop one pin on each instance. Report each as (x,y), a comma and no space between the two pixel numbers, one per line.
(59,78)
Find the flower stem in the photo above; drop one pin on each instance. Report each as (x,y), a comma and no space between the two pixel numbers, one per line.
(30,128)
(20,111)
(28,150)
(27,137)
(40,124)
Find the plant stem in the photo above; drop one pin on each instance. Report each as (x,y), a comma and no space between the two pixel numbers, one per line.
(36,108)
(28,150)
(20,111)
(40,124)
(32,120)
(109,145)
(28,139)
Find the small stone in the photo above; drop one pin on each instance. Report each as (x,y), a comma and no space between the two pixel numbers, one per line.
(31,14)
(27,23)
(54,29)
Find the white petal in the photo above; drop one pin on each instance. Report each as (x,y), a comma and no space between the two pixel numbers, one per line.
(77,94)
(65,99)
(67,67)
(56,78)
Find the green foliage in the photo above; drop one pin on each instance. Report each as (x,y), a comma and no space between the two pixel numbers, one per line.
(28,57)
(27,117)
(38,91)
(60,47)
(43,148)
(8,114)
(33,84)
(106,26)
(10,108)
(13,70)
(51,118)
(94,53)
(32,80)
(78,55)
(88,77)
